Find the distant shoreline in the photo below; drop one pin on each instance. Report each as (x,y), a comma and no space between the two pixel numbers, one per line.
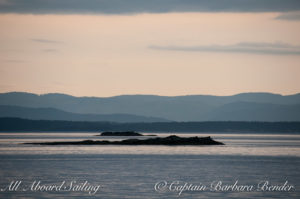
(25,125)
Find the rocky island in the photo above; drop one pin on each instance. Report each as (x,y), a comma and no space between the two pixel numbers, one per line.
(122,133)
(172,140)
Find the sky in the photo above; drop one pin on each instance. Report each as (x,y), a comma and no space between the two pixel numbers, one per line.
(162,47)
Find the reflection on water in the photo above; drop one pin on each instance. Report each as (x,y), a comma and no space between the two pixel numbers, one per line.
(235,144)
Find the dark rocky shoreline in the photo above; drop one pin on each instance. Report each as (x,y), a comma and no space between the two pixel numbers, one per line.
(8,124)
(172,140)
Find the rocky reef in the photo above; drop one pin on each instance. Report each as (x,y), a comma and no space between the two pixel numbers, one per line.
(122,133)
(172,140)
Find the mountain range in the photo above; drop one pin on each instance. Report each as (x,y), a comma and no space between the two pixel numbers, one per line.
(152,108)
(56,114)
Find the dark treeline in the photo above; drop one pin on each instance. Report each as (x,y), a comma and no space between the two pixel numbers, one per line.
(23,125)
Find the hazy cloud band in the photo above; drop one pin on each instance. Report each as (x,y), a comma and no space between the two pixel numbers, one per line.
(145,6)
(46,41)
(245,47)
(289,16)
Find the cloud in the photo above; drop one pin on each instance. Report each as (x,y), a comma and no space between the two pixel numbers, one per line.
(244,47)
(145,6)
(46,41)
(5,2)
(50,50)
(14,61)
(290,16)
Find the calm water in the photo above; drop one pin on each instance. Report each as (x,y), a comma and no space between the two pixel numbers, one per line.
(133,171)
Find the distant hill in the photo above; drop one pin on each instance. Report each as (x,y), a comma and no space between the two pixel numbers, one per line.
(250,111)
(55,114)
(244,106)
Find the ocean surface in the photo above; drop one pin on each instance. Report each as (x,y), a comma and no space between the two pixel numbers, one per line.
(247,166)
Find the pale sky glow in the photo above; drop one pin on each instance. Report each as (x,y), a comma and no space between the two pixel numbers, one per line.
(107,55)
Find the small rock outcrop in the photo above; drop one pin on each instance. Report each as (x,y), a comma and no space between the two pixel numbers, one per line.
(121,133)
